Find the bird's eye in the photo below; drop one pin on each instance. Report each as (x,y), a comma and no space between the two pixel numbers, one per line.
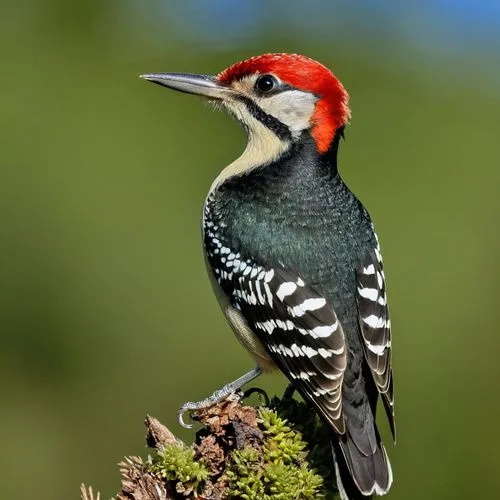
(265,83)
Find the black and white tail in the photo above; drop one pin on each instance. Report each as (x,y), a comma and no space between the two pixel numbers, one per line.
(360,476)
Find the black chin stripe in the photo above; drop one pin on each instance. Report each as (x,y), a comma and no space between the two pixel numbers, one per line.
(272,123)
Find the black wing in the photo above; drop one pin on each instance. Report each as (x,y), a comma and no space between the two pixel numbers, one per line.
(375,326)
(297,327)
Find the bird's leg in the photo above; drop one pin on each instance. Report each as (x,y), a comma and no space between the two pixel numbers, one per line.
(218,396)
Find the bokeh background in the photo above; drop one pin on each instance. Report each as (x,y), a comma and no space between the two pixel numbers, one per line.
(106,313)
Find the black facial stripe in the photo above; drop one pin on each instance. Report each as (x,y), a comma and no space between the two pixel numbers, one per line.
(272,123)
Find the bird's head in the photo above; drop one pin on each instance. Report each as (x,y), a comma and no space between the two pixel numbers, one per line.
(284,95)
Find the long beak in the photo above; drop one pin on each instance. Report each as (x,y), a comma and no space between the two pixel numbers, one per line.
(205,85)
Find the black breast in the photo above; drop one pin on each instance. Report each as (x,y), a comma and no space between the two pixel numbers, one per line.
(299,214)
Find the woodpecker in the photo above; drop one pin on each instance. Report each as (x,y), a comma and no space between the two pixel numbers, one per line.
(294,259)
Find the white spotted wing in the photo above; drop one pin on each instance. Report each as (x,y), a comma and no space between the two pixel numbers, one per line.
(375,326)
(301,332)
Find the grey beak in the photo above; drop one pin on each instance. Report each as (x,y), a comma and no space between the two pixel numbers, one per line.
(205,85)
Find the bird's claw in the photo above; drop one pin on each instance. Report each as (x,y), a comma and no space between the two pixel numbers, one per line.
(264,398)
(186,407)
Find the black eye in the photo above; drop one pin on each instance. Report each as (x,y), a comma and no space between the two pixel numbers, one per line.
(265,83)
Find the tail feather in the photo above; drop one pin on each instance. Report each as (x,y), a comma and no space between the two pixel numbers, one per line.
(360,476)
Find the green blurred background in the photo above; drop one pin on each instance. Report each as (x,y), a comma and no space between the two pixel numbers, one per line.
(106,313)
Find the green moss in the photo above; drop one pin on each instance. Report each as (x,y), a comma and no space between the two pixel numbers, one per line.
(245,474)
(176,463)
(279,471)
(282,442)
(316,434)
(291,461)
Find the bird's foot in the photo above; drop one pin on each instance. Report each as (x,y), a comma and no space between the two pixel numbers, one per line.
(218,396)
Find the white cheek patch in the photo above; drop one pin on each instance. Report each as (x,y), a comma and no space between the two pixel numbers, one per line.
(294,108)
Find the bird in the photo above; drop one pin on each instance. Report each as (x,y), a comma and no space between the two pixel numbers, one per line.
(294,258)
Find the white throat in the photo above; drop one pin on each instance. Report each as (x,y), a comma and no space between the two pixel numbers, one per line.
(263,147)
